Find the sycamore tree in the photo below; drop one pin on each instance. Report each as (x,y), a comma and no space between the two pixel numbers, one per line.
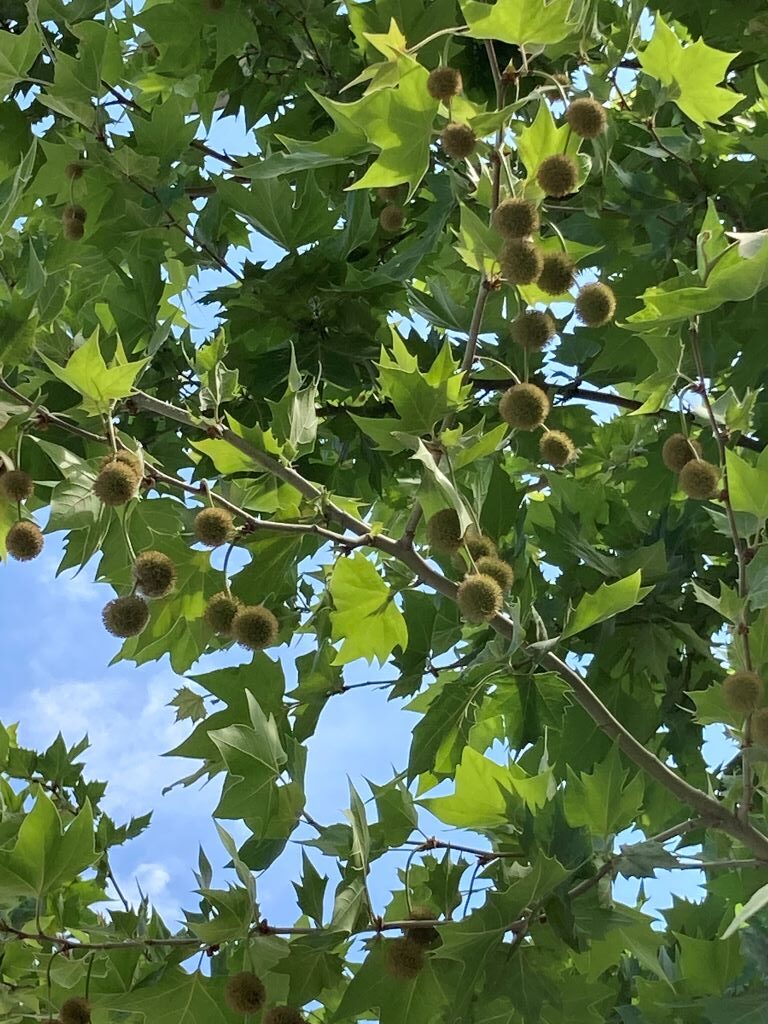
(490,419)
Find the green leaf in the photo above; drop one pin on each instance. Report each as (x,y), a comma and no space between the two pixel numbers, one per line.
(290,217)
(17,54)
(609,599)
(603,801)
(642,860)
(365,615)
(754,904)
(87,373)
(179,998)
(311,890)
(188,704)
(748,484)
(512,21)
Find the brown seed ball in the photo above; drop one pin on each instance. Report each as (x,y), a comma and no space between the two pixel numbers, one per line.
(524,406)
(532,329)
(74,212)
(760,727)
(558,175)
(444,531)
(444,83)
(73,230)
(155,573)
(521,261)
(479,598)
(74,171)
(479,546)
(587,118)
(115,485)
(458,140)
(390,193)
(699,479)
(516,218)
(497,569)
(283,1015)
(422,936)
(220,612)
(124,458)
(255,627)
(678,450)
(556,448)
(125,616)
(595,304)
(213,526)
(743,691)
(404,958)
(392,218)
(556,274)
(24,541)
(75,1011)
(16,485)
(245,993)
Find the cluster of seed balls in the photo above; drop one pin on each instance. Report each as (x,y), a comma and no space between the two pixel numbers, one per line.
(405,957)
(154,574)
(526,407)
(245,993)
(480,595)
(697,477)
(73,216)
(743,693)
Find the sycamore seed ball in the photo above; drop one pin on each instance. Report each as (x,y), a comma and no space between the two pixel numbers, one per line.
(516,218)
(699,479)
(532,329)
(73,230)
(479,546)
(521,261)
(499,570)
(125,616)
(479,598)
(389,193)
(587,118)
(24,541)
(155,573)
(760,727)
(213,526)
(404,958)
(556,275)
(74,170)
(75,1011)
(220,613)
(75,212)
(392,218)
(255,627)
(743,691)
(283,1015)
(16,485)
(422,936)
(115,485)
(556,448)
(73,221)
(595,304)
(558,175)
(124,458)
(444,531)
(678,450)
(524,406)
(458,140)
(245,993)
(444,83)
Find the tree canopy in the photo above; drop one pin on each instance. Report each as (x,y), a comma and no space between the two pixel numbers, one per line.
(479,405)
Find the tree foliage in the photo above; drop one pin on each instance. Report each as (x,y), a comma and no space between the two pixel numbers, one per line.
(359,380)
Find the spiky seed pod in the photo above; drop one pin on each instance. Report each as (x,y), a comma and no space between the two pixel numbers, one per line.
(125,616)
(245,992)
(16,485)
(73,230)
(520,261)
(562,80)
(556,448)
(115,485)
(404,958)
(533,329)
(444,531)
(743,691)
(760,727)
(699,479)
(220,612)
(255,627)
(557,272)
(479,598)
(392,218)
(422,936)
(516,218)
(390,193)
(524,406)
(458,140)
(75,1011)
(497,569)
(586,117)
(24,541)
(283,1015)
(125,458)
(558,175)
(678,450)
(443,83)
(595,304)
(74,212)
(479,546)
(155,573)
(74,170)
(213,526)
